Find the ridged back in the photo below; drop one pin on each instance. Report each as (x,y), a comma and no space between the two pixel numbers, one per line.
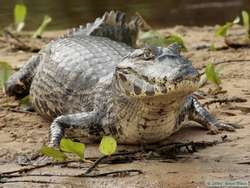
(69,71)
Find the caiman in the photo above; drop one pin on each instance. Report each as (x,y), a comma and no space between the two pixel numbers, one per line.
(94,79)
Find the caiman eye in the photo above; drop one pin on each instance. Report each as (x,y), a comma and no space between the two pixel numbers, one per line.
(148,54)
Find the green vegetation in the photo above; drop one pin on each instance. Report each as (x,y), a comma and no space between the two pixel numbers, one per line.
(245,18)
(155,38)
(223,30)
(5,72)
(54,153)
(24,103)
(46,20)
(212,74)
(107,147)
(176,39)
(20,13)
(67,145)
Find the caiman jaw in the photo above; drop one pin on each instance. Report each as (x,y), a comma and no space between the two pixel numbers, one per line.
(144,87)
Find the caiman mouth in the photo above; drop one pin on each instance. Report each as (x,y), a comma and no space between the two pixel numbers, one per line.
(136,85)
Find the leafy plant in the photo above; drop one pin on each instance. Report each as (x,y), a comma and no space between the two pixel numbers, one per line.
(245,18)
(155,38)
(54,153)
(66,146)
(176,39)
(5,72)
(46,20)
(69,146)
(212,75)
(222,30)
(25,102)
(212,47)
(20,13)
(152,37)
(108,145)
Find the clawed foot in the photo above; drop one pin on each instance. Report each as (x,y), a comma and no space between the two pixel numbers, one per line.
(35,159)
(220,126)
(42,160)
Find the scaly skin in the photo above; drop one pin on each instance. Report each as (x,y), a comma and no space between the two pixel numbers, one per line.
(94,80)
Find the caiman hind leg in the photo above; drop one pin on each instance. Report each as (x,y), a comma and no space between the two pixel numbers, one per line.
(85,120)
(194,111)
(19,83)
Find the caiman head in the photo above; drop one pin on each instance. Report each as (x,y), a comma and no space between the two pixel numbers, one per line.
(156,71)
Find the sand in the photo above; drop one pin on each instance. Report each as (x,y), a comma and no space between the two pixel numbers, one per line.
(25,133)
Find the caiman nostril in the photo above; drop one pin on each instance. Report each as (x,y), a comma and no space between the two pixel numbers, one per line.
(138,87)
(122,77)
(178,79)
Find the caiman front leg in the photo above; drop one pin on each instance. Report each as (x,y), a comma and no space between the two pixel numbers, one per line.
(87,121)
(19,83)
(194,111)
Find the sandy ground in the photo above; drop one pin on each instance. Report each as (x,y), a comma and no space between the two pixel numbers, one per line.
(25,133)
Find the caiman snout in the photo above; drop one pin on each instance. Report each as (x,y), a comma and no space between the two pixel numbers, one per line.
(185,72)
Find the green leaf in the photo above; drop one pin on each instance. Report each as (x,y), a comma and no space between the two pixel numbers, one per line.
(154,38)
(54,153)
(176,39)
(46,20)
(69,146)
(20,12)
(25,102)
(222,30)
(5,72)
(108,145)
(212,75)
(236,20)
(245,17)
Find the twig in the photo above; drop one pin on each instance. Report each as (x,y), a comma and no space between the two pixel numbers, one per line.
(225,100)
(190,146)
(243,163)
(116,172)
(9,105)
(53,163)
(16,110)
(27,169)
(113,157)
(176,147)
(241,108)
(30,181)
(17,43)
(98,161)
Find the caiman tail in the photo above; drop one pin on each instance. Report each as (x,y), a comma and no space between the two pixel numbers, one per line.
(111,25)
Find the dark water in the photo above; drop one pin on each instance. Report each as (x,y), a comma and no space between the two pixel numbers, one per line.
(158,13)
